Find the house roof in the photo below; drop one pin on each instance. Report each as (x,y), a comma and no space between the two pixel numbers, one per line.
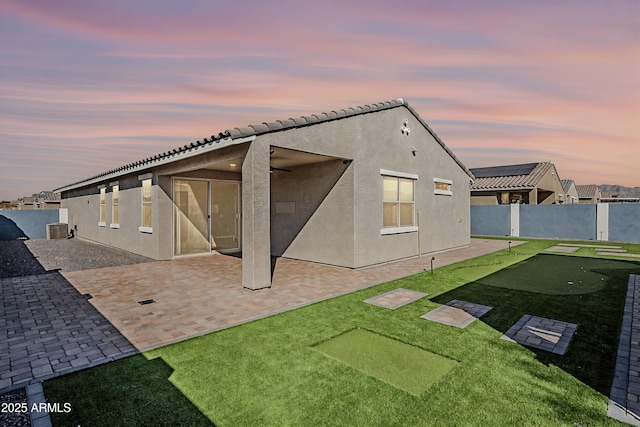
(587,191)
(566,184)
(510,177)
(247,133)
(49,196)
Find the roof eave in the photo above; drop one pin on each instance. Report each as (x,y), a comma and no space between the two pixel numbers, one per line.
(156,161)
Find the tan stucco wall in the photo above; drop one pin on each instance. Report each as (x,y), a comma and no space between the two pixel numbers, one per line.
(83,205)
(84,214)
(550,181)
(338,205)
(318,224)
(375,142)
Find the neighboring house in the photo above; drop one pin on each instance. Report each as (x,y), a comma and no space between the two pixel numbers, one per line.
(588,193)
(47,200)
(530,183)
(42,200)
(352,188)
(26,203)
(570,191)
(615,199)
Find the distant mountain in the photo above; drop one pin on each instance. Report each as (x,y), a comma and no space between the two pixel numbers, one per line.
(620,191)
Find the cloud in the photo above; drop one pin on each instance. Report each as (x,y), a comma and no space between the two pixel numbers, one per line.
(497,80)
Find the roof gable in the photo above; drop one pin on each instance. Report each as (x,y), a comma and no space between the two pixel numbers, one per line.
(522,176)
(247,133)
(566,184)
(586,191)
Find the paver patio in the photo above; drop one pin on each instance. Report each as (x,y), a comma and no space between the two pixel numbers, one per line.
(542,333)
(198,295)
(47,328)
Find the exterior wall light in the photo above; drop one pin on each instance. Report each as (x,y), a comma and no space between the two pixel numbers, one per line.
(405,128)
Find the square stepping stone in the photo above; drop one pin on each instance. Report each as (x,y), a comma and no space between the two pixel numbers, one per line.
(542,333)
(564,249)
(457,313)
(396,298)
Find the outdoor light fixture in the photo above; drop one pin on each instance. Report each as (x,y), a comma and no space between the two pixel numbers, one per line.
(432,259)
(233,165)
(509,246)
(405,128)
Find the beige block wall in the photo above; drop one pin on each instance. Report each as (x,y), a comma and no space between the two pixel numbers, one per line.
(550,181)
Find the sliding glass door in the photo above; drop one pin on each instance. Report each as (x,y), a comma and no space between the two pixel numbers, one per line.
(191,216)
(225,215)
(206,216)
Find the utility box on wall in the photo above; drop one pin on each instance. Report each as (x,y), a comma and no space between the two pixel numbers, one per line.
(57,230)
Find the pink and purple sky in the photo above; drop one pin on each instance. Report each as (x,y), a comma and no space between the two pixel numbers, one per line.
(88,85)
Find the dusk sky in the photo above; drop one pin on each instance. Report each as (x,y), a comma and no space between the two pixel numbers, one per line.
(87,85)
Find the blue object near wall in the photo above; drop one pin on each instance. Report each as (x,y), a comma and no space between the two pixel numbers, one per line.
(558,221)
(624,222)
(578,221)
(491,220)
(31,224)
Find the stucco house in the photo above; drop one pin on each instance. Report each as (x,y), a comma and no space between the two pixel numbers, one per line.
(570,191)
(353,188)
(588,194)
(530,183)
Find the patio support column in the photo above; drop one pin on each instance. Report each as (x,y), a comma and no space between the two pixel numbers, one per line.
(256,219)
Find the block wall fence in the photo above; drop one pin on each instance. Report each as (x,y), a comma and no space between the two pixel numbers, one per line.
(603,221)
(30,223)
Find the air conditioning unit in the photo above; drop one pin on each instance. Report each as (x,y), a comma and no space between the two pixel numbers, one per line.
(57,230)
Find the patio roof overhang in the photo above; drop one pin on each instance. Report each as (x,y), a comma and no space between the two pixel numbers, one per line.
(159,160)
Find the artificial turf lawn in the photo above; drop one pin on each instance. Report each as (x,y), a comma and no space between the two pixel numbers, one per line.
(555,274)
(407,367)
(267,372)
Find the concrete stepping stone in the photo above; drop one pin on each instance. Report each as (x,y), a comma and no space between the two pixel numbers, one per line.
(589,246)
(541,333)
(619,254)
(564,249)
(457,313)
(396,298)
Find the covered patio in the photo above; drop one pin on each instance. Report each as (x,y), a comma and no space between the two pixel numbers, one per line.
(157,303)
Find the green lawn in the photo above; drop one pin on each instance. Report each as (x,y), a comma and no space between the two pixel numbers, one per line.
(407,367)
(270,371)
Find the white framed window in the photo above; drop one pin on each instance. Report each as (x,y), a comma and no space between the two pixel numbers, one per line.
(442,186)
(147,206)
(398,202)
(115,205)
(102,221)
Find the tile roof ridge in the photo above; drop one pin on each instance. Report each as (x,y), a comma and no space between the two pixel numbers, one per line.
(269,127)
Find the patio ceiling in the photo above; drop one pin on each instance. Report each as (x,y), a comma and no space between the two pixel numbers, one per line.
(280,158)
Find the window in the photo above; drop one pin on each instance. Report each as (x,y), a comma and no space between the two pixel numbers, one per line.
(442,186)
(115,206)
(146,206)
(398,202)
(103,207)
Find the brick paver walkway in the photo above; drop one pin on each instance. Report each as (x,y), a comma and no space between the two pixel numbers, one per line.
(542,333)
(197,295)
(457,313)
(624,401)
(47,328)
